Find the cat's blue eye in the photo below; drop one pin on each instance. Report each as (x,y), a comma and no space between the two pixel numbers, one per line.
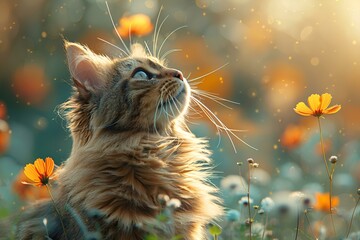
(141,75)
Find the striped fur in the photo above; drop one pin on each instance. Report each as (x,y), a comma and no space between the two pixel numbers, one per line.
(126,152)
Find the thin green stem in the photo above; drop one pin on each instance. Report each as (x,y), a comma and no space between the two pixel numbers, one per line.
(310,226)
(57,210)
(331,209)
(248,197)
(265,226)
(255,213)
(330,175)
(323,149)
(216,237)
(352,217)
(297,224)
(332,169)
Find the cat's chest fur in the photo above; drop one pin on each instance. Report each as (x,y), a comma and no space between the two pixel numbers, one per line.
(124,176)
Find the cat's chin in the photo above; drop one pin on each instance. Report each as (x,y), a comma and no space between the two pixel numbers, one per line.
(177,104)
(174,101)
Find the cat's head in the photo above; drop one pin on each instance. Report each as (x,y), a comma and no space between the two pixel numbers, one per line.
(133,93)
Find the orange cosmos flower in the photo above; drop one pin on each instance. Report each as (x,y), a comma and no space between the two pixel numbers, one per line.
(318,105)
(30,84)
(138,24)
(323,202)
(4,136)
(2,110)
(40,172)
(293,136)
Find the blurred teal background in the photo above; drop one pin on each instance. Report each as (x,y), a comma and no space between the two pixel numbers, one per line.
(278,53)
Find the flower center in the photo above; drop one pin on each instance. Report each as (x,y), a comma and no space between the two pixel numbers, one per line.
(44,179)
(317,113)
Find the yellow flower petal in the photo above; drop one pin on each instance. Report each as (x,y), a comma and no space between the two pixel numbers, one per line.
(332,110)
(314,102)
(49,162)
(31,173)
(302,109)
(325,100)
(40,166)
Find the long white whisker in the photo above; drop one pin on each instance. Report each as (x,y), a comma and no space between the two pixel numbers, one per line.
(174,100)
(162,44)
(212,99)
(170,52)
(167,117)
(129,32)
(177,104)
(221,126)
(209,73)
(227,130)
(156,117)
(193,84)
(164,106)
(166,114)
(194,110)
(201,93)
(208,115)
(113,45)
(155,30)
(147,48)
(112,21)
(171,109)
(157,35)
(213,95)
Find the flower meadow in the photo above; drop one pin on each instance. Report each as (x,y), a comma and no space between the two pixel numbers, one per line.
(287,76)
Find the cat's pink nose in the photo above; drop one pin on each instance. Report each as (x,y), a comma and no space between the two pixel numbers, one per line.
(175,73)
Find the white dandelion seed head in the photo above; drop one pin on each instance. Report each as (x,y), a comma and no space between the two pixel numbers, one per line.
(244,201)
(234,184)
(267,204)
(322,232)
(312,188)
(297,195)
(257,228)
(291,171)
(285,205)
(260,177)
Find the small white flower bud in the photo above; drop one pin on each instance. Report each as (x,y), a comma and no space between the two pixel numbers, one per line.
(45,221)
(250,160)
(333,159)
(255,165)
(173,203)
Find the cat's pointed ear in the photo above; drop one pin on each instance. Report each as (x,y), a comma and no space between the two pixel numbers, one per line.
(137,50)
(88,70)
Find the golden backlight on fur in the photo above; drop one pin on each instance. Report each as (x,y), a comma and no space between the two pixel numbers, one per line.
(130,145)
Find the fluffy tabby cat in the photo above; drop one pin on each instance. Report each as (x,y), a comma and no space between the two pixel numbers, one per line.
(130,145)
